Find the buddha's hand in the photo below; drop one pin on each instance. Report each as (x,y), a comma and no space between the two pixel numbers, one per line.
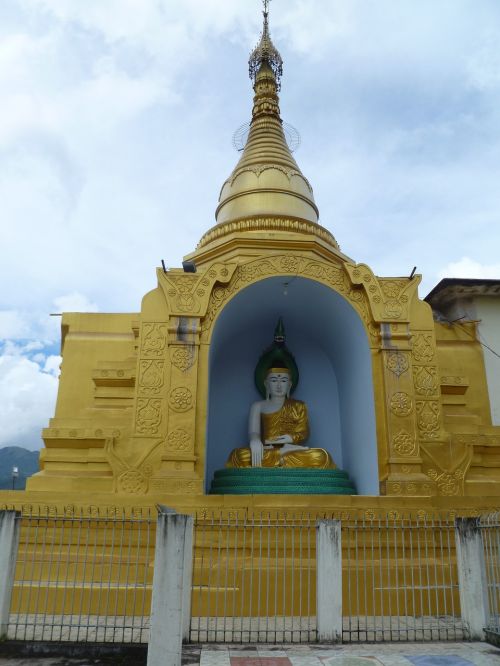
(257,451)
(282,439)
(287,448)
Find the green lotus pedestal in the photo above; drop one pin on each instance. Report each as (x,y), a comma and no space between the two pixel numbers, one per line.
(281,480)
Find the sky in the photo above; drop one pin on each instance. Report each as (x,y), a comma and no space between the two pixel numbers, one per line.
(116,120)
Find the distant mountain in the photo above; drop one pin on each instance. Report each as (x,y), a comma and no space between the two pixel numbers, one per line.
(25,461)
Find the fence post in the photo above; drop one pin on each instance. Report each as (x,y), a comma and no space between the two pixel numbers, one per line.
(471,576)
(9,541)
(329,581)
(171,578)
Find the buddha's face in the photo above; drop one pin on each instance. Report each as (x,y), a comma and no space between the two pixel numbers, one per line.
(278,384)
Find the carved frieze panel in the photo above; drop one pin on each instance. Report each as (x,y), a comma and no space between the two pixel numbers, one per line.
(188,293)
(428,418)
(389,298)
(448,483)
(425,380)
(151,377)
(334,276)
(411,487)
(397,362)
(423,348)
(176,486)
(154,339)
(148,417)
(447,466)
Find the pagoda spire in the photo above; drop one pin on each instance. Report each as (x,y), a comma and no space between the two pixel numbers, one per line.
(267,181)
(266,198)
(266,52)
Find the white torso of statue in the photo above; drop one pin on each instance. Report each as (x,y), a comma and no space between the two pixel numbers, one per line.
(278,386)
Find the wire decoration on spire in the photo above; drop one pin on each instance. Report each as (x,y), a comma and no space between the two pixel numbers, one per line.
(292,136)
(265,51)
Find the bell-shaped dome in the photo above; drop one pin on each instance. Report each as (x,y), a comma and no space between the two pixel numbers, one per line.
(267,180)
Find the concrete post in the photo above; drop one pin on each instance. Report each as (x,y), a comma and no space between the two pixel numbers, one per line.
(9,541)
(471,577)
(171,581)
(329,581)
(186,583)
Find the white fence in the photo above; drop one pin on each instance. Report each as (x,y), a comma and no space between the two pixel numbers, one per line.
(240,577)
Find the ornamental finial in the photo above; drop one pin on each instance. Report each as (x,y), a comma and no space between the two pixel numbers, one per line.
(266,52)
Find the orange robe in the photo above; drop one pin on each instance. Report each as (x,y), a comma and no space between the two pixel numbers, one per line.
(291,420)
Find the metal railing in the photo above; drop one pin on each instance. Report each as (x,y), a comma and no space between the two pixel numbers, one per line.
(83,578)
(490,533)
(400,580)
(254,579)
(88,578)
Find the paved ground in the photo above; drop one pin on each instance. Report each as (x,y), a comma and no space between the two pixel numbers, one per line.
(387,654)
(380,654)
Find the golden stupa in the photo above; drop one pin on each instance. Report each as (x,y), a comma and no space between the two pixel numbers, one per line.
(150,403)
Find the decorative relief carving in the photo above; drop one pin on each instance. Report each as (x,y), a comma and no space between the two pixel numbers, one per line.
(397,363)
(448,483)
(132,482)
(425,380)
(257,169)
(428,418)
(401,404)
(392,309)
(454,380)
(174,486)
(148,416)
(243,275)
(359,298)
(185,300)
(403,443)
(180,399)
(268,224)
(411,488)
(154,339)
(178,440)
(394,515)
(289,264)
(390,288)
(150,377)
(331,274)
(447,465)
(183,357)
(423,349)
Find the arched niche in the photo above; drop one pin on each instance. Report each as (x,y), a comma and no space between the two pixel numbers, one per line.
(330,345)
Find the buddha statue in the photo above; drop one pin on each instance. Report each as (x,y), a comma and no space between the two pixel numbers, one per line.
(278,426)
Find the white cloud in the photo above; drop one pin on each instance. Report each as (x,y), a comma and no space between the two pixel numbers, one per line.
(52,365)
(74,302)
(27,400)
(469,268)
(13,325)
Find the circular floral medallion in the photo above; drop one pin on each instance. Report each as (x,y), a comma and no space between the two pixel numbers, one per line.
(132,482)
(401,404)
(181,399)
